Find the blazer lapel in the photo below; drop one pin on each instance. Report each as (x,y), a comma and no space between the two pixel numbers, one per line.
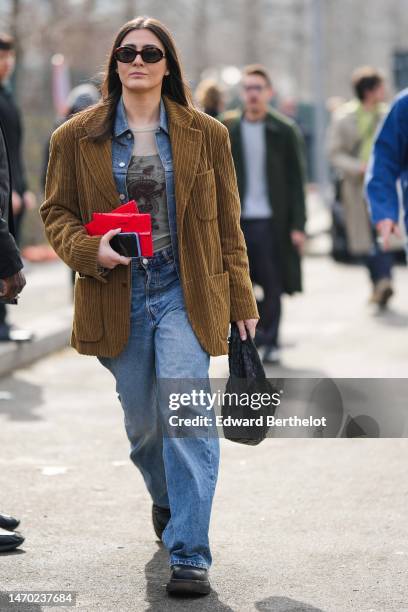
(98,158)
(186,149)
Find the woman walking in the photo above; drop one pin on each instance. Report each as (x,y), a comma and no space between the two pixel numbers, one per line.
(154,318)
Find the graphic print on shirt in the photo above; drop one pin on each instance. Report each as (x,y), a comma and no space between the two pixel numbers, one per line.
(146,184)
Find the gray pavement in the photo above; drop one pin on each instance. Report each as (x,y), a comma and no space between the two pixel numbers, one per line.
(330,329)
(298,524)
(45,307)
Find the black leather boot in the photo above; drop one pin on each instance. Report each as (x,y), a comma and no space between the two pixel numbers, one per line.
(188,580)
(8,522)
(9,540)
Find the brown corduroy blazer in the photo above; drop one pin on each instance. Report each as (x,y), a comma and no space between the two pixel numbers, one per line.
(213,258)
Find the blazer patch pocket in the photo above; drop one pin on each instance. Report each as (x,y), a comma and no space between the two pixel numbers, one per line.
(204,195)
(88,320)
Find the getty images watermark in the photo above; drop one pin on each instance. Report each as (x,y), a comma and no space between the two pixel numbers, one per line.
(291,407)
(255,401)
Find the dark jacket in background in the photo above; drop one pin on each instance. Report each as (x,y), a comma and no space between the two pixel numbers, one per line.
(10,261)
(285,161)
(11,119)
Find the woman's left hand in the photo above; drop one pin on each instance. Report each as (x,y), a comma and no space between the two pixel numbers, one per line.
(247,324)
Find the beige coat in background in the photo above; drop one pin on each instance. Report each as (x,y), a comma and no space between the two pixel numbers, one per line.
(343,148)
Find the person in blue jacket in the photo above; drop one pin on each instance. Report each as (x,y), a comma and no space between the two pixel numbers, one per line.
(388,165)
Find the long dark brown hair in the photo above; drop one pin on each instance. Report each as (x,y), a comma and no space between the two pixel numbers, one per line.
(174,85)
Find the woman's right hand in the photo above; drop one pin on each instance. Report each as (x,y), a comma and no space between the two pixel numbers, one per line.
(107,257)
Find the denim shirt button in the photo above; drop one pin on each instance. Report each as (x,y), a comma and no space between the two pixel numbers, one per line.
(122,196)
(129,136)
(122,164)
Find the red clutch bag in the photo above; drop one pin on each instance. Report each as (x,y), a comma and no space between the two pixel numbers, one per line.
(128,218)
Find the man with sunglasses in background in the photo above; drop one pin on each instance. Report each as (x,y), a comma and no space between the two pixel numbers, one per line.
(269,163)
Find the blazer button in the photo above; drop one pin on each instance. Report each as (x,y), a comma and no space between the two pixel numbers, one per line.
(124,284)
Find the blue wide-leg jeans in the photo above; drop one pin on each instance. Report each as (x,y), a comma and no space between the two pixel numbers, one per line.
(180,472)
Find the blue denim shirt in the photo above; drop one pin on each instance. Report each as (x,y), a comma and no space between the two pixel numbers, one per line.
(122,148)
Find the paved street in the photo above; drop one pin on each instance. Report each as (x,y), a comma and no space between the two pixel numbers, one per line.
(318,524)
(331,330)
(298,524)
(314,143)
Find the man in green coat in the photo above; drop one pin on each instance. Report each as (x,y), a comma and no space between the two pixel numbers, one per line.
(269,163)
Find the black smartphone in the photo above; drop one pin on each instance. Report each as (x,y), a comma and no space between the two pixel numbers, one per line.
(126,244)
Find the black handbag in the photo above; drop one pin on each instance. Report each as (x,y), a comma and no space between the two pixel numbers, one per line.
(241,421)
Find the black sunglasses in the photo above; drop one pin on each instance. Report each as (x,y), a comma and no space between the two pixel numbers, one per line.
(126,54)
(257,88)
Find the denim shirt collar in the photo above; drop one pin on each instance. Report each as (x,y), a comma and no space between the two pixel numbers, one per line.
(121,124)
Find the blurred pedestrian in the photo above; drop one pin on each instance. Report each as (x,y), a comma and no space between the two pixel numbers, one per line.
(10,115)
(12,282)
(350,140)
(157,318)
(10,260)
(22,198)
(79,99)
(339,246)
(210,97)
(388,168)
(268,154)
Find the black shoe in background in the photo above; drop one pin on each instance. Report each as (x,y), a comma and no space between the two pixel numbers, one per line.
(160,518)
(8,522)
(187,580)
(9,540)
